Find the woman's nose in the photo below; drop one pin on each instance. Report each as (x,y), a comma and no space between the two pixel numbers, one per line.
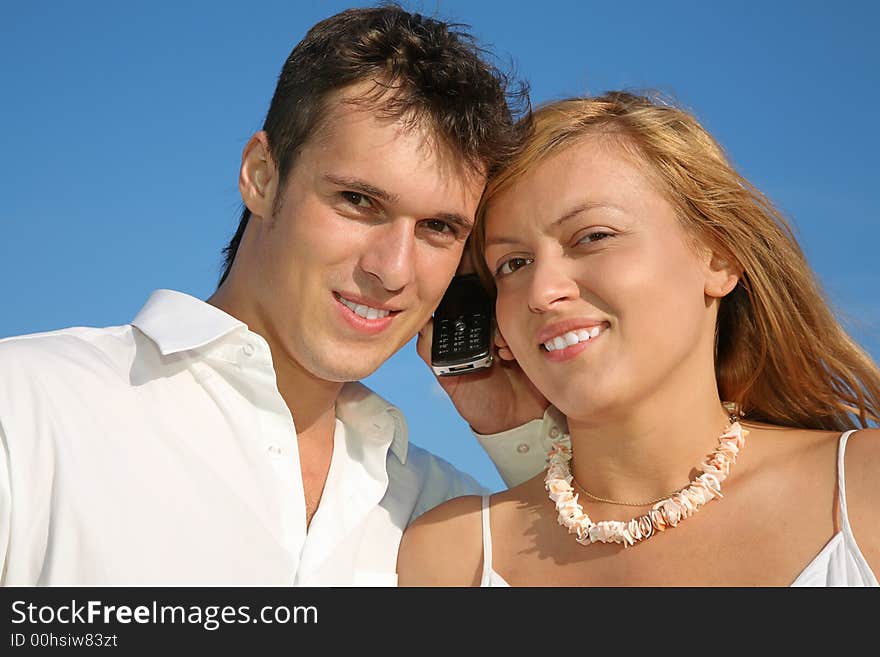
(550,285)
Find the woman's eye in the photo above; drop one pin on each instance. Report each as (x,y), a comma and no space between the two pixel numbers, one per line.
(357,199)
(511,265)
(595,236)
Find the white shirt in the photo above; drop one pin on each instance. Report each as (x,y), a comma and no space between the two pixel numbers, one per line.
(161,453)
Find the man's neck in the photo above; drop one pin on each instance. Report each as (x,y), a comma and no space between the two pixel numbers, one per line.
(311,401)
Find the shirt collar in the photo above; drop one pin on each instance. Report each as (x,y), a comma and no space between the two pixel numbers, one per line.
(375,419)
(179,322)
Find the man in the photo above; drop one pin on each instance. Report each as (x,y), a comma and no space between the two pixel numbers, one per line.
(223,442)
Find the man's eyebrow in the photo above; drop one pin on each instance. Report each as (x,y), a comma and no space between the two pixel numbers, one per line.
(357,185)
(459,220)
(570,214)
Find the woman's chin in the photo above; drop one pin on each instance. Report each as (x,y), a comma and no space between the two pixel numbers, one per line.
(579,401)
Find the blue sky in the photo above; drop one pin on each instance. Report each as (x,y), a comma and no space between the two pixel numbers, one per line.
(122,124)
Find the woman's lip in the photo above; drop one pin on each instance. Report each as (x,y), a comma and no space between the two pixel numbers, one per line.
(560,328)
(567,353)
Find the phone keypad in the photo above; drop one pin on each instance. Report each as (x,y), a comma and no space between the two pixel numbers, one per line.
(443,337)
(461,334)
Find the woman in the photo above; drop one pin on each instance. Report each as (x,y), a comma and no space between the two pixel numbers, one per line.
(662,304)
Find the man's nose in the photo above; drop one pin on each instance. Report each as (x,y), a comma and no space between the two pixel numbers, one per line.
(390,254)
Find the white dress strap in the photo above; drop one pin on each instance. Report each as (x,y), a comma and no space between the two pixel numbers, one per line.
(841,484)
(487,544)
(840,562)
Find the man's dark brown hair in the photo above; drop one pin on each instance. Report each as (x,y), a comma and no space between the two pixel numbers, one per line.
(425,70)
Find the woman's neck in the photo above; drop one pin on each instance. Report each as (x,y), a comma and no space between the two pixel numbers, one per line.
(650,449)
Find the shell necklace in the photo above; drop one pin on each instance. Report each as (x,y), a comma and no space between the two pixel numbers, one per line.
(665,513)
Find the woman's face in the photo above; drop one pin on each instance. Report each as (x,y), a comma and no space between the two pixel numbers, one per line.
(601,295)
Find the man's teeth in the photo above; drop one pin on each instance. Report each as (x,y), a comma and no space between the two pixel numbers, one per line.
(572,337)
(364,311)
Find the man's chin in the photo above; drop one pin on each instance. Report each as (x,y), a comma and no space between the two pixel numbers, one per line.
(340,360)
(355,367)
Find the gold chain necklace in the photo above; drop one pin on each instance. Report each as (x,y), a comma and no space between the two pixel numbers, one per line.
(602,499)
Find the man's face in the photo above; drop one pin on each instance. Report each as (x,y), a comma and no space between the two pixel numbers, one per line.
(370,229)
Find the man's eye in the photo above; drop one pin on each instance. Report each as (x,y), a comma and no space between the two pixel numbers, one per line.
(358,199)
(511,265)
(438,226)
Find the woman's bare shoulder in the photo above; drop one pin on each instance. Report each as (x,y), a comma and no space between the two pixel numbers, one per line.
(814,459)
(444,546)
(789,452)
(862,482)
(810,450)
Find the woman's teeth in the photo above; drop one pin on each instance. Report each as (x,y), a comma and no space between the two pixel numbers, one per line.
(572,337)
(364,311)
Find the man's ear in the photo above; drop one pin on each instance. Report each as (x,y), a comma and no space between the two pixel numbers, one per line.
(722,275)
(258,177)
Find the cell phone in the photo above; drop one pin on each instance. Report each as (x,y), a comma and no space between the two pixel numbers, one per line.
(462,340)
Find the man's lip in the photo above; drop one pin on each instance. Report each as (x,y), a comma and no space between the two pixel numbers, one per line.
(364,301)
(558,328)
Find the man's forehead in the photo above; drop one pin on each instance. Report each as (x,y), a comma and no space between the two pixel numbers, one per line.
(370,103)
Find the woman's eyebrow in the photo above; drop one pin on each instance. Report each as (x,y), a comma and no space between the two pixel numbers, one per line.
(584,206)
(570,214)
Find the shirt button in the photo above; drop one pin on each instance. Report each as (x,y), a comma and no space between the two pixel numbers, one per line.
(554,432)
(248,349)
(522,448)
(274,449)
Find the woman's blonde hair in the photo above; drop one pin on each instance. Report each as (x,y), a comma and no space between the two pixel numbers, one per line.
(780,353)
